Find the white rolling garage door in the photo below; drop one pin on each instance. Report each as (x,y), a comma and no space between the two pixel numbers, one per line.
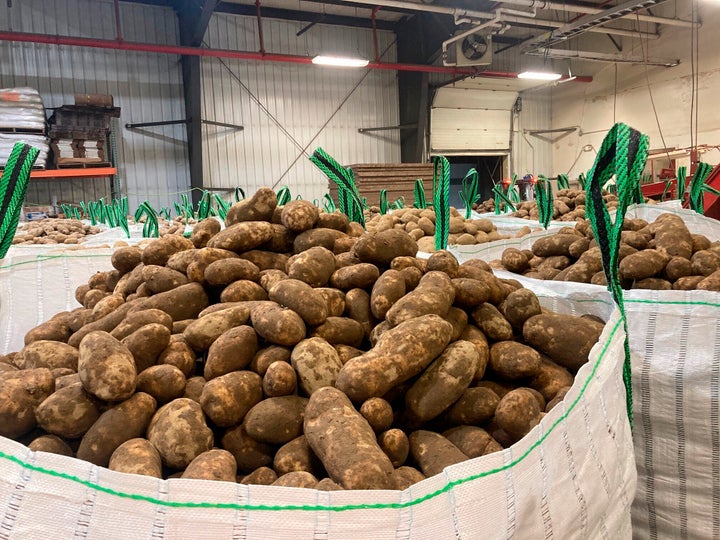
(471,121)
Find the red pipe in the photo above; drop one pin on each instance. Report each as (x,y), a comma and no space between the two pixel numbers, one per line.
(240,55)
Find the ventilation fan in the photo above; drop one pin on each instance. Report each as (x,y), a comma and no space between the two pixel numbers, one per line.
(474,50)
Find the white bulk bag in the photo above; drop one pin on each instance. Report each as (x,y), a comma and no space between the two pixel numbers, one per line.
(572,476)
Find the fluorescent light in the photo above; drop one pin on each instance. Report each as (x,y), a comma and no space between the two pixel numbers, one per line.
(340,61)
(539,75)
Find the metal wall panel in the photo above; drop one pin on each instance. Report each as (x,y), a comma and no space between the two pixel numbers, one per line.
(288,110)
(152,163)
(466,98)
(530,154)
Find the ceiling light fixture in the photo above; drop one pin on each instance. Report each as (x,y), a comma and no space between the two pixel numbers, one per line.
(539,75)
(340,61)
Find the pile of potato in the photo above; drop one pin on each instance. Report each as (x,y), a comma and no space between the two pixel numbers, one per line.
(292,349)
(420,225)
(662,255)
(53,231)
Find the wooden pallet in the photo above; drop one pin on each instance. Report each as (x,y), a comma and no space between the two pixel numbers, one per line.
(397,178)
(90,165)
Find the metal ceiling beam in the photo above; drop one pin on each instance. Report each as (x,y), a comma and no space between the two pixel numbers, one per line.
(589,22)
(544,23)
(302,16)
(592,56)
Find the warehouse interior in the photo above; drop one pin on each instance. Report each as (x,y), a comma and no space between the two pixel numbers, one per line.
(652,66)
(333,269)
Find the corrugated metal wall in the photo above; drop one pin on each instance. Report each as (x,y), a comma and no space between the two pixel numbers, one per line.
(148,87)
(311,106)
(531,154)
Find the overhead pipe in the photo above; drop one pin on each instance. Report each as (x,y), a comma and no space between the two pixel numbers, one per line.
(459,13)
(544,23)
(238,55)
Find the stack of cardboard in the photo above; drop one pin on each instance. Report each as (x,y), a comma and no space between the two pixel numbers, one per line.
(22,119)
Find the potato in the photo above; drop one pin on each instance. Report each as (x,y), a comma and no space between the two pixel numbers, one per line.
(194,387)
(493,324)
(232,351)
(68,412)
(472,441)
(203,332)
(243,236)
(656,284)
(203,231)
(137,456)
(396,446)
(51,330)
(181,260)
(475,336)
(204,257)
(326,484)
(126,258)
(317,364)
(295,456)
(269,278)
(359,275)
(127,420)
(519,306)
(704,263)
(137,319)
(316,237)
(180,355)
(381,248)
(243,290)
(433,295)
(346,352)
(299,215)
(678,267)
(334,301)
(164,383)
(580,246)
(357,307)
(183,302)
(266,260)
(276,420)
(333,220)
(345,443)
(518,412)
(388,289)
(433,452)
(214,464)
(263,476)
(512,360)
(66,380)
(550,379)
(277,325)
(297,479)
(106,306)
(301,298)
(709,283)
(227,399)
(266,356)
(399,354)
(557,244)
(470,293)
(226,271)
(48,354)
(179,433)
(404,477)
(412,277)
(443,261)
(475,406)
(249,454)
(92,298)
(443,382)
(161,249)
(20,394)
(106,367)
(259,207)
(51,444)
(672,237)
(378,413)
(128,283)
(643,264)
(146,344)
(689,283)
(280,379)
(340,330)
(314,266)
(548,333)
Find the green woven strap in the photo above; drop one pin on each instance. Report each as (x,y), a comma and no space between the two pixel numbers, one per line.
(469,192)
(623,154)
(500,198)
(681,177)
(544,200)
(441,200)
(383,201)
(563,182)
(419,194)
(13,186)
(283,196)
(698,187)
(151,227)
(348,195)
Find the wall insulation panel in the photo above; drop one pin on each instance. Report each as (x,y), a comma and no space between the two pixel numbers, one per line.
(153,162)
(531,154)
(288,110)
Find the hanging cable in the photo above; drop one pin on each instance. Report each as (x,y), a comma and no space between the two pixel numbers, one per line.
(615,95)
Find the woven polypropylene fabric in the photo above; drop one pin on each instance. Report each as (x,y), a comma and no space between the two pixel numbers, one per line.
(573,476)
